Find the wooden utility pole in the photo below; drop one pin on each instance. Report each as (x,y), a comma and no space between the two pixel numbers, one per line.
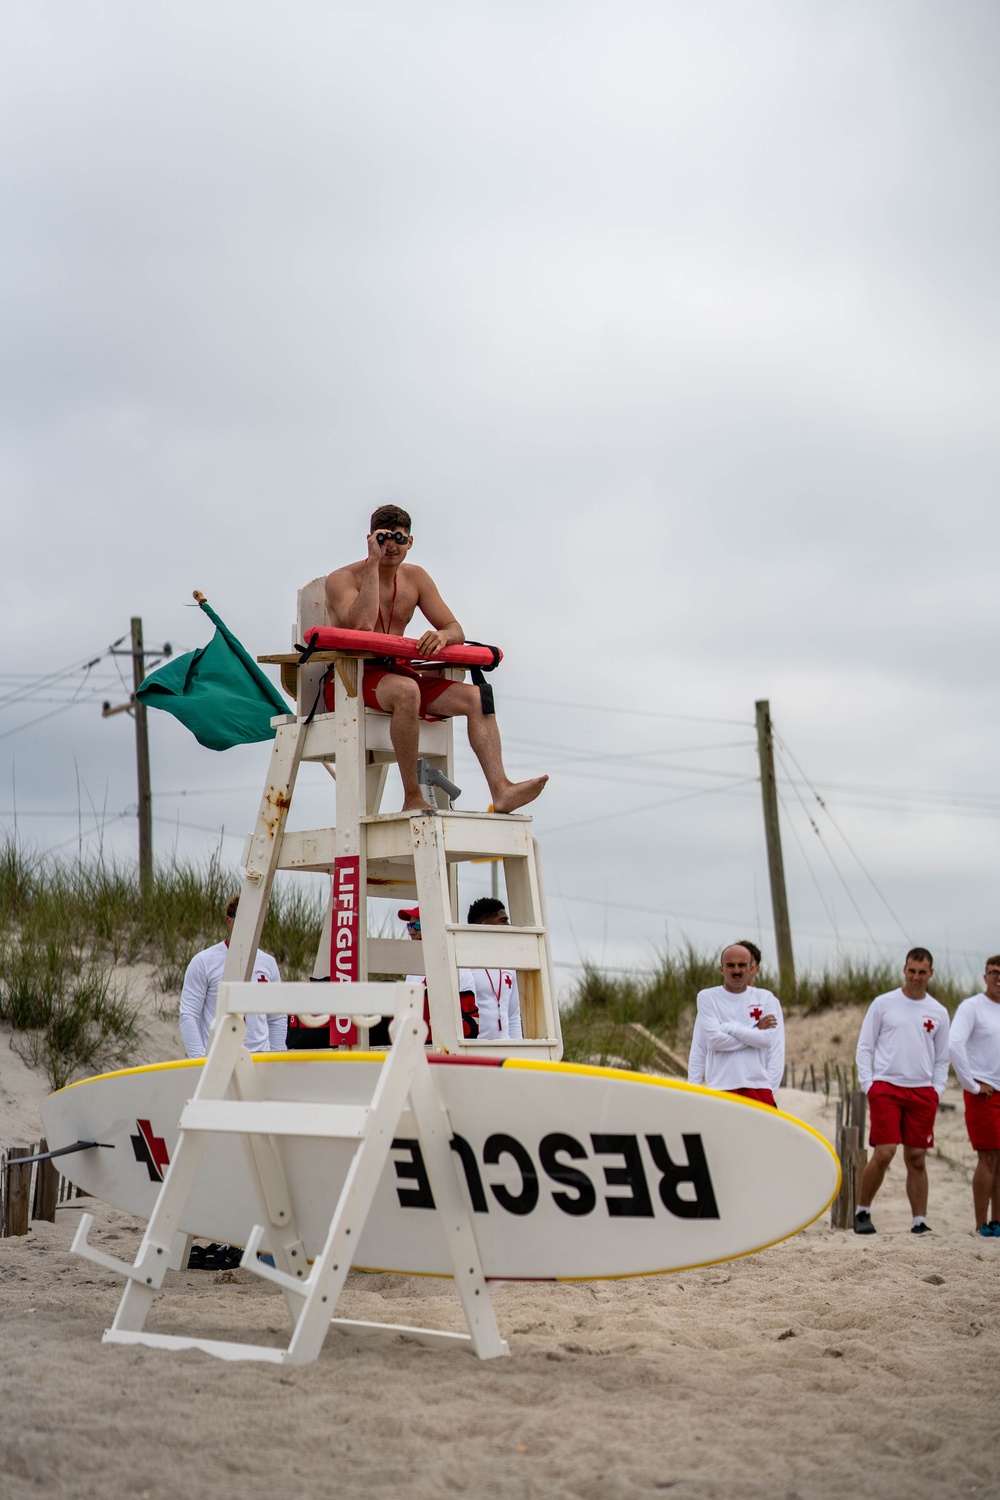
(142,766)
(137,652)
(775,863)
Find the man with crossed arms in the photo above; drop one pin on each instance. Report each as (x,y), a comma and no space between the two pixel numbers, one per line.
(739,1036)
(975,1056)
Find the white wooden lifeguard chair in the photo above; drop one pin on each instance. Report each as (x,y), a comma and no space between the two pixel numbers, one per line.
(405,856)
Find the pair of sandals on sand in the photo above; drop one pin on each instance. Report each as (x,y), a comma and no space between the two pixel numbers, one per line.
(214,1257)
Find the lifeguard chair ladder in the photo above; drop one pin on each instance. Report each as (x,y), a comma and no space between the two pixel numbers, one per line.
(228,1099)
(408,857)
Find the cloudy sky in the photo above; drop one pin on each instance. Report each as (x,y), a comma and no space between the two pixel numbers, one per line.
(674,325)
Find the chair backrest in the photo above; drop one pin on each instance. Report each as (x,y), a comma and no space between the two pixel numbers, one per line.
(310,610)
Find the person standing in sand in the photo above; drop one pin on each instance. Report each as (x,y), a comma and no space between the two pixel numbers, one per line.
(201,989)
(974,1044)
(380,594)
(739,1036)
(696,1055)
(903,1068)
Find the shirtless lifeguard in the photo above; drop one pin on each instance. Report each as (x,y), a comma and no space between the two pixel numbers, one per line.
(381,593)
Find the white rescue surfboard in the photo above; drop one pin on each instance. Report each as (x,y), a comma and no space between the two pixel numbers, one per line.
(570,1172)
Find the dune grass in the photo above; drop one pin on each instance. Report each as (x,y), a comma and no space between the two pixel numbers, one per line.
(663,1001)
(64,926)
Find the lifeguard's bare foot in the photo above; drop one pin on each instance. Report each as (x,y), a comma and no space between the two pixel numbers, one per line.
(519,794)
(417,804)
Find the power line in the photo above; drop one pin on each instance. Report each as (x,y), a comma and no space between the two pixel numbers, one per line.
(868,876)
(808,865)
(43,718)
(850,896)
(627,812)
(640,713)
(632,781)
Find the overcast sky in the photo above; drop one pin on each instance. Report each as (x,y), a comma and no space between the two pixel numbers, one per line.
(674,325)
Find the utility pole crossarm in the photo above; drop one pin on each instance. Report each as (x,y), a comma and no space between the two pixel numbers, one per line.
(775,863)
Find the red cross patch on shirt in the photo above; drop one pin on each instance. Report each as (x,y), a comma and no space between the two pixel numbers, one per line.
(756,1012)
(928,1025)
(508,981)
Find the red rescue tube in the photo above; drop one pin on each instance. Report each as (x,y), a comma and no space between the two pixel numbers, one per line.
(399,647)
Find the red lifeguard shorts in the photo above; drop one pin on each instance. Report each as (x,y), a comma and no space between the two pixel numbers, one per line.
(763,1096)
(430,688)
(901,1115)
(982,1121)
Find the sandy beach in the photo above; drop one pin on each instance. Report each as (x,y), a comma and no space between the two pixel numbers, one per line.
(827,1365)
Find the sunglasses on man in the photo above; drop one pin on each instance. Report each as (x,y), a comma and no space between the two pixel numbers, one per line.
(399,537)
(414,926)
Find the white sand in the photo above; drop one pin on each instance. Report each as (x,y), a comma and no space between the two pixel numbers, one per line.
(828,1366)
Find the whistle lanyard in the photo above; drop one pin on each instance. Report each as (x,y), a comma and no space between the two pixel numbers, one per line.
(387,629)
(497,993)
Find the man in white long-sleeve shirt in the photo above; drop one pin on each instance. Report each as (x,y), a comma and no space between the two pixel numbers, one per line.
(201,989)
(498,1004)
(975,1056)
(739,1038)
(903,1068)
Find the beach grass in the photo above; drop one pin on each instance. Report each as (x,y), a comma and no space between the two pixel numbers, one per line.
(596,1020)
(66,924)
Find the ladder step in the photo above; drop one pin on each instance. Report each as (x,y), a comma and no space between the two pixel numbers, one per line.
(274,1117)
(487,947)
(466,836)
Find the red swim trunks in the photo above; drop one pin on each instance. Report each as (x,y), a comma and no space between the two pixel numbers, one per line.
(901,1115)
(763,1096)
(431,687)
(982,1121)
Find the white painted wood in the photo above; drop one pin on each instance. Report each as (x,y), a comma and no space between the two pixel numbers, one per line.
(395,956)
(440,961)
(308,849)
(366,1129)
(431,1338)
(295,996)
(311,610)
(496,948)
(259,1117)
(262,1353)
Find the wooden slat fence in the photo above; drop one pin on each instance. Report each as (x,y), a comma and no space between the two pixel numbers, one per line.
(32,1191)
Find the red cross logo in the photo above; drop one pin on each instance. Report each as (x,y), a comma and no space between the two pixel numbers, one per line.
(262,979)
(151,1150)
(756,1012)
(508,981)
(928,1025)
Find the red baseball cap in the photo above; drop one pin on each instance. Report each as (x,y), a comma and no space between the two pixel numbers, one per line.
(409,914)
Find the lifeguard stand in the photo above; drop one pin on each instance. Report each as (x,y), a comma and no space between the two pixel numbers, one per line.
(406,857)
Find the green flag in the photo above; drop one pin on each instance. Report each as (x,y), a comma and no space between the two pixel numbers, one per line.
(219,692)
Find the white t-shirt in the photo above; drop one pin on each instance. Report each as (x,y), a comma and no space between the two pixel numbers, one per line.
(497,1001)
(201,990)
(974,1043)
(904,1042)
(728,1050)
